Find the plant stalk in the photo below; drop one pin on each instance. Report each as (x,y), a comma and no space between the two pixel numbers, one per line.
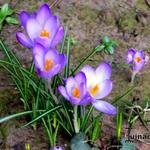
(133,77)
(97,49)
(75,121)
(51,91)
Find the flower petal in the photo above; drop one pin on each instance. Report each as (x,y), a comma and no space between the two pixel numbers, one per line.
(24,16)
(138,66)
(52,25)
(43,14)
(58,37)
(24,40)
(70,84)
(140,54)
(51,73)
(33,28)
(52,55)
(130,57)
(90,75)
(62,60)
(63,92)
(104,107)
(104,89)
(38,54)
(103,72)
(80,77)
(87,99)
(46,42)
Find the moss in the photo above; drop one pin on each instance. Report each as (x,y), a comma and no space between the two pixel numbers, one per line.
(127,22)
(107,16)
(141,6)
(88,14)
(146,31)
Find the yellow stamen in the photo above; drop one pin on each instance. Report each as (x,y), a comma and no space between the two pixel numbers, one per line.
(138,59)
(94,90)
(44,33)
(48,64)
(76,92)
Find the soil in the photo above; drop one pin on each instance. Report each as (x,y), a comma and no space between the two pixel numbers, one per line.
(127,21)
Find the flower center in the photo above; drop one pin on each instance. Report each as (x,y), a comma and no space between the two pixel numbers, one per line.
(76,92)
(49,64)
(94,90)
(44,33)
(138,59)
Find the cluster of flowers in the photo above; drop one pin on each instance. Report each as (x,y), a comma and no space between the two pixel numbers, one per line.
(43,33)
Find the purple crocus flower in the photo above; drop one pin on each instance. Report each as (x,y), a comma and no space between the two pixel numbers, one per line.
(41,27)
(88,86)
(57,148)
(136,59)
(48,62)
(75,90)
(99,86)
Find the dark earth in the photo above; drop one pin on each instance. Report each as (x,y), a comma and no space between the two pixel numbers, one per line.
(127,21)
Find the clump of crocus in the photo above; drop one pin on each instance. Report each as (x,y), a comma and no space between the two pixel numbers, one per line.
(41,27)
(89,86)
(136,60)
(48,62)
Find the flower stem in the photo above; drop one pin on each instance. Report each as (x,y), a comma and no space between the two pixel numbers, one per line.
(133,77)
(51,91)
(97,49)
(75,121)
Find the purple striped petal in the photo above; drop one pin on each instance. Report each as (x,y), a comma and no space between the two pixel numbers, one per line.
(43,14)
(70,84)
(63,92)
(80,78)
(104,107)
(52,55)
(138,66)
(24,16)
(58,37)
(103,72)
(46,42)
(81,82)
(87,99)
(24,40)
(49,74)
(38,54)
(52,25)
(104,89)
(130,57)
(33,28)
(90,75)
(140,54)
(62,60)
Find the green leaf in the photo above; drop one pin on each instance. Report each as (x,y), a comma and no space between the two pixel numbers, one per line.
(17,115)
(11,20)
(96,130)
(4,10)
(42,115)
(110,49)
(118,125)
(105,39)
(78,142)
